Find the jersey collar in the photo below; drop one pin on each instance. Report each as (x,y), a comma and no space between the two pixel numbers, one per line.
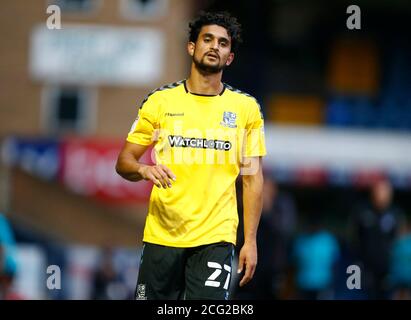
(203,95)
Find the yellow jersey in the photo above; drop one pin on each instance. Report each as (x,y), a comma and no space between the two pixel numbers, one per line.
(203,140)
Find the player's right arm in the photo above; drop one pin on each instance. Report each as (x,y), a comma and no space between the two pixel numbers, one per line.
(129,167)
(139,139)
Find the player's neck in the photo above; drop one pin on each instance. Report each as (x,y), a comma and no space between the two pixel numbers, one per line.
(206,84)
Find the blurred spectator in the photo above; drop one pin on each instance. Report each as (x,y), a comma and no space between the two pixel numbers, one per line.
(315,254)
(107,283)
(400,265)
(277,224)
(375,228)
(8,264)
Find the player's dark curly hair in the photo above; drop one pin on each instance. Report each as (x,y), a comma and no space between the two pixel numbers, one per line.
(222,19)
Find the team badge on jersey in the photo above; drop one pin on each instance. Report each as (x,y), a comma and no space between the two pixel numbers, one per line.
(229,119)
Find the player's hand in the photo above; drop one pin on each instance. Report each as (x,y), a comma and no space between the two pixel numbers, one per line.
(159,174)
(247,259)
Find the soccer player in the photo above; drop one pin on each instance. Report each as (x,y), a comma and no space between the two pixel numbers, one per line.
(204,132)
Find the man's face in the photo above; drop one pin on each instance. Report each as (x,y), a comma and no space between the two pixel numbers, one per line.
(212,51)
(382,195)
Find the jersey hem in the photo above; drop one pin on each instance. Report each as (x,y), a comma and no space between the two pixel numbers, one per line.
(185,245)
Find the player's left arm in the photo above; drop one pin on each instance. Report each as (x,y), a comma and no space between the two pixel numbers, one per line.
(252,203)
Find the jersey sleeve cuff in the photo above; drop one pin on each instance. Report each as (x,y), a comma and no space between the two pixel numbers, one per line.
(142,142)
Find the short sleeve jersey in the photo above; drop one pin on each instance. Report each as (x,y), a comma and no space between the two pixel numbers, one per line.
(203,140)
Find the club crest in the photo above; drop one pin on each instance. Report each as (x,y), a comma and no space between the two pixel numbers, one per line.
(229,119)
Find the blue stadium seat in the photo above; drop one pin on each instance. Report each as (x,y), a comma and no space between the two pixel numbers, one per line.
(363,112)
(338,112)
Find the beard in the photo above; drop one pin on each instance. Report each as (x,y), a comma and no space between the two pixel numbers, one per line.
(207,68)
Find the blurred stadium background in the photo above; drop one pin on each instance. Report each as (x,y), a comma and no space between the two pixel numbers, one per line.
(337,105)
